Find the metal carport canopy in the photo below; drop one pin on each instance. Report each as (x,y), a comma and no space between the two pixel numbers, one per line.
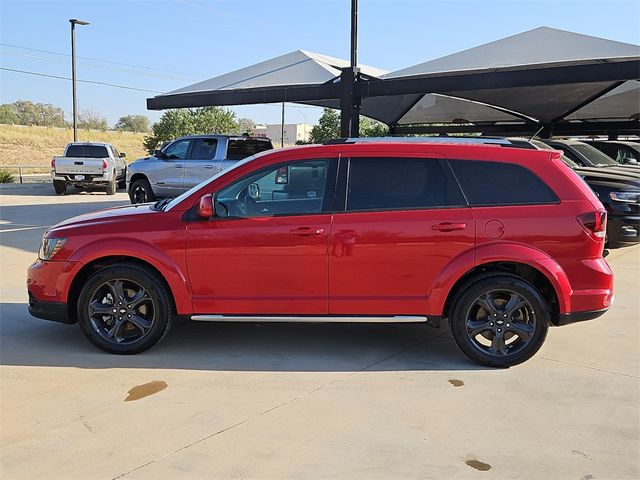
(536,77)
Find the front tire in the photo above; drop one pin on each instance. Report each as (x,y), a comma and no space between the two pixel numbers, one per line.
(500,321)
(124,309)
(123,181)
(141,192)
(60,186)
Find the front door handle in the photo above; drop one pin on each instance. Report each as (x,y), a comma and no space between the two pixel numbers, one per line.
(449,227)
(307,231)
(178,165)
(208,166)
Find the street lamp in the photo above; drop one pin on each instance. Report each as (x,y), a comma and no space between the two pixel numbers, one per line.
(74,22)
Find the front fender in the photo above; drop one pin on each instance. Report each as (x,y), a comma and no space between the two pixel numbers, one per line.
(173,271)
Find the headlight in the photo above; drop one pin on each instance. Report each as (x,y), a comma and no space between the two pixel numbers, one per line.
(49,247)
(628,197)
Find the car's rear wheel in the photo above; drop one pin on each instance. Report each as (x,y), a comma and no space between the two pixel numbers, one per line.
(140,191)
(124,309)
(60,186)
(500,321)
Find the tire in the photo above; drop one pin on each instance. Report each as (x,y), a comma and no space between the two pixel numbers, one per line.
(112,186)
(123,182)
(142,318)
(60,186)
(483,332)
(140,191)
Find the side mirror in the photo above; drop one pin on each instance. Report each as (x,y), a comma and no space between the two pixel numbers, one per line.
(254,191)
(158,154)
(122,154)
(205,207)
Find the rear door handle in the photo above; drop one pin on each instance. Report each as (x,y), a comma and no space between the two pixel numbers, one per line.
(179,165)
(208,166)
(307,231)
(449,227)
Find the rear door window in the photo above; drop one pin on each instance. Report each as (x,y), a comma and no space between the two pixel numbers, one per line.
(204,148)
(241,148)
(400,184)
(497,183)
(87,151)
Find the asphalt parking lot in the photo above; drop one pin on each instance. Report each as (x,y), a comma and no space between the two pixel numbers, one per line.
(306,401)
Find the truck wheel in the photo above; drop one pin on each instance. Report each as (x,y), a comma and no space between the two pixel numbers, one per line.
(500,321)
(112,186)
(60,186)
(140,191)
(124,309)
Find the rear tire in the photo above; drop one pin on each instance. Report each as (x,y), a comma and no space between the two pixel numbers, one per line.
(124,309)
(60,186)
(500,321)
(141,192)
(112,186)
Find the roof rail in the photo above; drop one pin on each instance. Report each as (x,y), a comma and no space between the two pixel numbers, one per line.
(471,140)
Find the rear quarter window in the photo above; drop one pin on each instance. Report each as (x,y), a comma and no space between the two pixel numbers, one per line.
(495,183)
(240,148)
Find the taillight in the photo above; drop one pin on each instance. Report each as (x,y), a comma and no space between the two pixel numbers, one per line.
(53,163)
(104,164)
(594,223)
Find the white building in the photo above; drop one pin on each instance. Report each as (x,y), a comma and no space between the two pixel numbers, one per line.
(293,132)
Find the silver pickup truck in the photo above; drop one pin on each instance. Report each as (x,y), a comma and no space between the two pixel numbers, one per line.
(89,165)
(186,162)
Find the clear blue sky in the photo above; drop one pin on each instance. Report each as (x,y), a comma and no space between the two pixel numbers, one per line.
(191,40)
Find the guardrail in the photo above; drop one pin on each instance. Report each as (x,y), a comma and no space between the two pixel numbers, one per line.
(21,169)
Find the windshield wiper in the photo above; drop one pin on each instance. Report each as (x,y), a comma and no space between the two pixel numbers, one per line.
(160,204)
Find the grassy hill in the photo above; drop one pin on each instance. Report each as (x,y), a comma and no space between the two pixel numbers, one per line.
(22,145)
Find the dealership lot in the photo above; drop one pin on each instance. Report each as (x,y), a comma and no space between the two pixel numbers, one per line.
(306,401)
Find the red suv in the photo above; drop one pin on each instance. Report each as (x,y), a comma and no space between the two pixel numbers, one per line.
(502,242)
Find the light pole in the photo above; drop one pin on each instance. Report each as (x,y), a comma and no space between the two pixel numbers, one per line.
(74,22)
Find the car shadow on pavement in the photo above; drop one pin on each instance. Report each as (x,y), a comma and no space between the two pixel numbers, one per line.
(27,341)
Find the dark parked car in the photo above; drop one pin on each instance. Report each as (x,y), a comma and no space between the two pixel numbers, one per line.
(587,155)
(622,152)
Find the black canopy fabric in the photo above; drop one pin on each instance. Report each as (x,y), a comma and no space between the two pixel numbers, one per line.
(543,76)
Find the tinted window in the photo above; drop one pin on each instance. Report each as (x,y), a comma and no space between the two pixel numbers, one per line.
(297,188)
(204,148)
(399,183)
(87,151)
(177,150)
(243,148)
(593,154)
(493,183)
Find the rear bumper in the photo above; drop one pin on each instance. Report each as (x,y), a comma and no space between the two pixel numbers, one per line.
(574,317)
(55,311)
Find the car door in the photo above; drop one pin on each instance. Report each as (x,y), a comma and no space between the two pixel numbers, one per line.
(202,163)
(404,220)
(266,250)
(169,171)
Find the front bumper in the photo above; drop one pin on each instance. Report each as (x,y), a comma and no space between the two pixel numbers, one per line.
(55,311)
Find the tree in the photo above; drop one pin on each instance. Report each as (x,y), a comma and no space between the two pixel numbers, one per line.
(246,125)
(328,127)
(25,112)
(8,114)
(132,123)
(90,120)
(188,121)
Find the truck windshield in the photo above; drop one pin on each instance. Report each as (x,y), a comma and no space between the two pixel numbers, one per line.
(86,151)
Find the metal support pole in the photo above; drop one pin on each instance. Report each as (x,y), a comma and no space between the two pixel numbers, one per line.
(73,79)
(354,33)
(282,128)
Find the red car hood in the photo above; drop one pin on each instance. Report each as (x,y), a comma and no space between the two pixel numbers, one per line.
(106,215)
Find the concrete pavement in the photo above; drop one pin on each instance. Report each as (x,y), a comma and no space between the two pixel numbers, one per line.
(306,401)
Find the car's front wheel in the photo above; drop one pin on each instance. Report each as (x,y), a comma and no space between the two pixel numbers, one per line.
(500,320)
(141,192)
(124,309)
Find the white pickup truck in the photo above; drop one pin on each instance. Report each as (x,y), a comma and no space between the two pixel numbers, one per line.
(89,165)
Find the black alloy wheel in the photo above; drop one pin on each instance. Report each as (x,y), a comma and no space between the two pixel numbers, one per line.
(500,321)
(140,192)
(124,309)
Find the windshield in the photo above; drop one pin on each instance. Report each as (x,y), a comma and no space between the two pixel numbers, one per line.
(564,158)
(189,192)
(594,155)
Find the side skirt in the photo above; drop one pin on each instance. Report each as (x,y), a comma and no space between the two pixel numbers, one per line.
(317,319)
